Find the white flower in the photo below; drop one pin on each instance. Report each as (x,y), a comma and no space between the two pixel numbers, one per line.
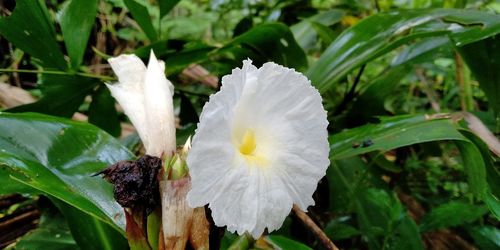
(261,146)
(146,97)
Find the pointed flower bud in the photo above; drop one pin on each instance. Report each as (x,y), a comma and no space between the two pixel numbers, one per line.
(146,97)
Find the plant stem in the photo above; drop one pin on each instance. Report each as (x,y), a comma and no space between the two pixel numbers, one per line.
(50,72)
(315,229)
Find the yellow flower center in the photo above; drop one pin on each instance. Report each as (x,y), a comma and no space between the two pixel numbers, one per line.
(248,143)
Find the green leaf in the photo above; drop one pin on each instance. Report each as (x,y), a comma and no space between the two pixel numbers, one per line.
(340,231)
(271,42)
(381,33)
(492,174)
(482,57)
(142,17)
(346,178)
(493,204)
(390,133)
(30,29)
(384,222)
(89,232)
(62,95)
(485,237)
(325,33)
(451,214)
(10,186)
(59,157)
(188,113)
(52,233)
(283,243)
(166,6)
(376,93)
(77,19)
(102,111)
(304,31)
(474,166)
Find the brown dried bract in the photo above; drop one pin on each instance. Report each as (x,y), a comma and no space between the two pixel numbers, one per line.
(135,182)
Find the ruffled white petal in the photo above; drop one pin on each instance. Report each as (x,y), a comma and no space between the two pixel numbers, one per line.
(146,97)
(287,118)
(159,110)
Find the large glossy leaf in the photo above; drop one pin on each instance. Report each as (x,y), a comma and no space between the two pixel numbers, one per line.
(381,33)
(142,17)
(77,19)
(62,95)
(59,157)
(30,29)
(10,186)
(451,214)
(483,59)
(392,133)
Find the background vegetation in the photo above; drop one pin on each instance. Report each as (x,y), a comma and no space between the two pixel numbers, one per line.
(412,90)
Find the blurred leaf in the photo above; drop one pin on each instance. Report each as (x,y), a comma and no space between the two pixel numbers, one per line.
(178,61)
(77,19)
(483,59)
(245,24)
(280,242)
(59,157)
(102,112)
(188,113)
(142,17)
(271,41)
(474,167)
(451,214)
(384,222)
(30,29)
(383,86)
(485,237)
(383,32)
(390,133)
(304,32)
(339,231)
(493,175)
(166,6)
(89,232)
(325,33)
(346,178)
(493,204)
(62,95)
(185,132)
(52,233)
